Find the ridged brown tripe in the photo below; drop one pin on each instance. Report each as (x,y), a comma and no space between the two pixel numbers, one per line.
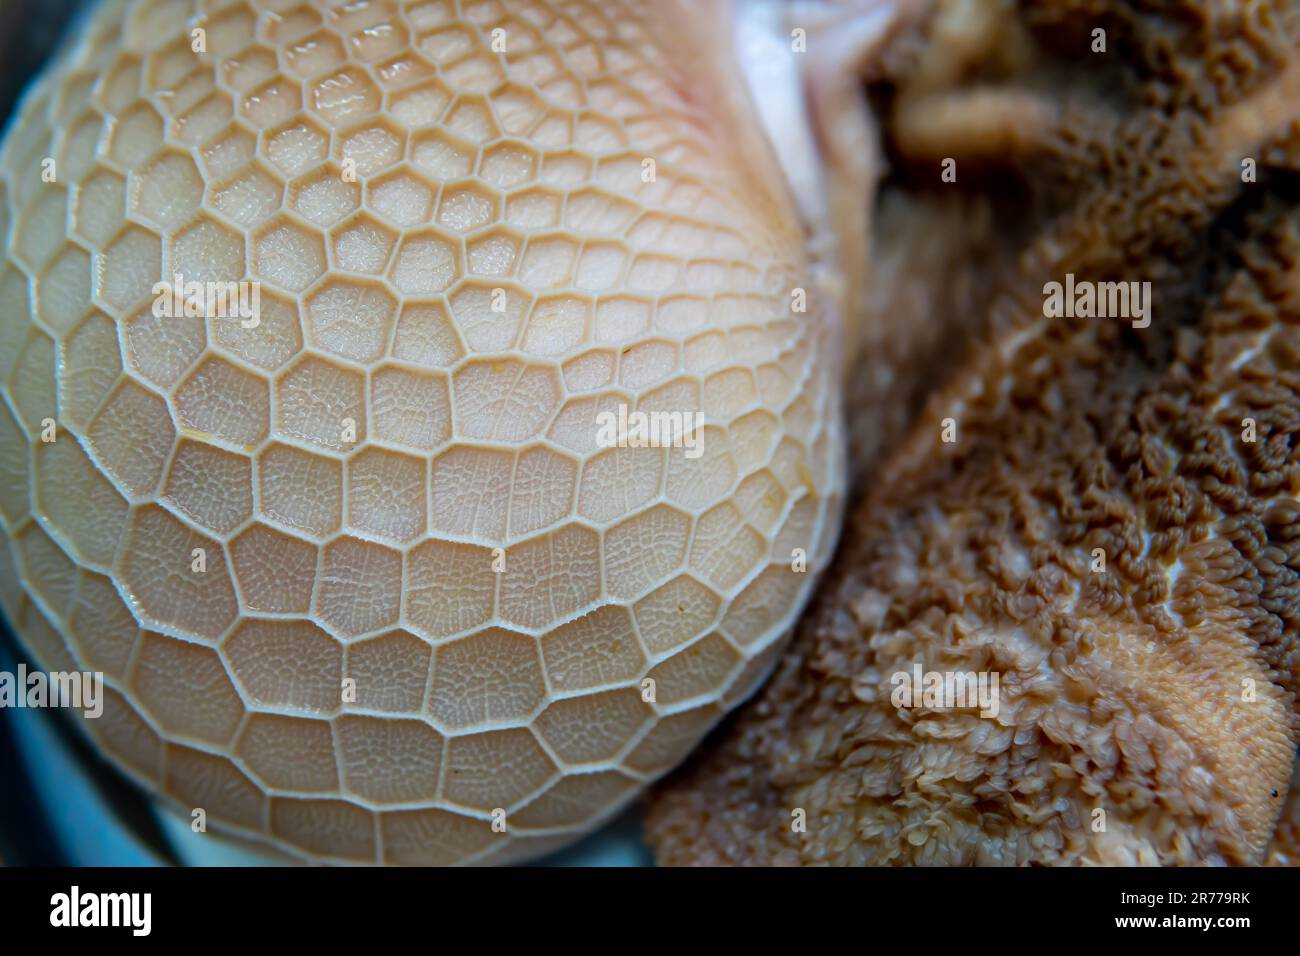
(1160,690)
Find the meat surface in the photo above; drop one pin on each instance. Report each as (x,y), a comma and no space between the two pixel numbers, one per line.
(1100,512)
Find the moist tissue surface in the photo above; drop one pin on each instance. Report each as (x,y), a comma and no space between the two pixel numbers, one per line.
(346,468)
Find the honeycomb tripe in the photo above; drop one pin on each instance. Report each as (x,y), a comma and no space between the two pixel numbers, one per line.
(364,579)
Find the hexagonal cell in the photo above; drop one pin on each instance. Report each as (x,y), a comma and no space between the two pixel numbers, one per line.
(362,245)
(350,318)
(162,349)
(391,672)
(287,254)
(275,572)
(322,403)
(360,586)
(379,41)
(218,399)
(432,837)
(231,29)
(594,210)
(410,408)
(105,632)
(489,315)
(136,136)
(66,487)
(132,435)
(593,728)
(405,69)
(466,488)
(425,336)
(387,760)
(670,740)
(589,371)
(450,588)
(676,613)
(80,144)
(128,269)
(52,577)
(400,198)
(558,325)
(344,96)
(725,549)
(324,197)
(328,828)
(566,170)
(519,108)
(761,499)
(595,651)
(442,156)
(297,147)
(578,424)
(468,206)
(374,146)
(15,480)
(206,119)
(292,25)
(699,482)
(249,68)
(274,340)
(301,490)
(542,491)
(42,229)
(537,208)
(121,731)
(647,363)
(100,207)
(167,191)
(32,385)
(447,44)
(422,105)
(290,753)
(426,263)
(764,609)
(200,779)
(252,197)
(89,368)
(572,800)
(563,565)
(286,663)
(490,770)
(504,400)
(549,261)
(487,678)
(617,481)
(274,102)
(159,571)
(229,153)
(508,165)
(208,252)
(494,253)
(63,290)
(641,551)
(386,494)
(316,54)
(599,135)
(621,318)
(186,689)
(210,486)
(702,670)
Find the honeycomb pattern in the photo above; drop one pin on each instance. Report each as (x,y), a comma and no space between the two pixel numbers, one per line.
(462,264)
